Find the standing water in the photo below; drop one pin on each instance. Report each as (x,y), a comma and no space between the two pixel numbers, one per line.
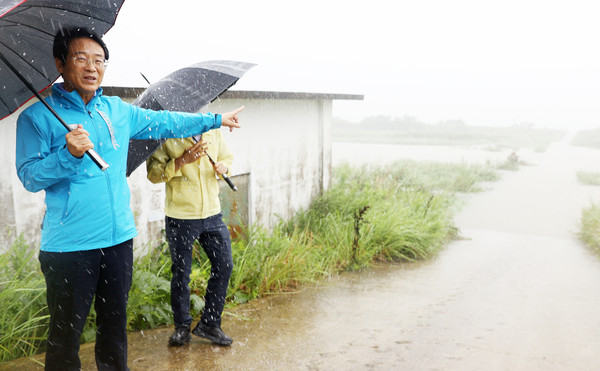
(518,292)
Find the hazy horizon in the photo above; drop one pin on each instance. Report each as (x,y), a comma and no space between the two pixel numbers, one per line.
(492,64)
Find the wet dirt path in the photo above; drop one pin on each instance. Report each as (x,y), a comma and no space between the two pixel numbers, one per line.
(519,292)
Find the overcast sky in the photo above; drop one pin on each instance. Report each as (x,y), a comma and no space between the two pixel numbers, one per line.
(484,62)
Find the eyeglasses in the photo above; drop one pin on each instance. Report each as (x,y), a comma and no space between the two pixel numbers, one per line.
(83,61)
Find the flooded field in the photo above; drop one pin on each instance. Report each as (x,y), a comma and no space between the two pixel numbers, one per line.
(384,154)
(518,292)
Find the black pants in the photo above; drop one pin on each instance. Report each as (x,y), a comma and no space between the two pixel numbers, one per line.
(72,281)
(214,238)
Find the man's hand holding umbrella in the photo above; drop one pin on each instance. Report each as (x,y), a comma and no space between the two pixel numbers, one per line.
(220,168)
(191,154)
(78,141)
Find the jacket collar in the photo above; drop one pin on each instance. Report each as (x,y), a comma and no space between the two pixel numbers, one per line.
(73,99)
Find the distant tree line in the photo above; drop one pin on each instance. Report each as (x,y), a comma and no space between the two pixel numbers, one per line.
(409,130)
(587,138)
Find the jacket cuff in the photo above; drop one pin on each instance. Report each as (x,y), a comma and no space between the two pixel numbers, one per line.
(170,170)
(65,157)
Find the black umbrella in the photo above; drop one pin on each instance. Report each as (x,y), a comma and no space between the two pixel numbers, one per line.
(185,90)
(27,29)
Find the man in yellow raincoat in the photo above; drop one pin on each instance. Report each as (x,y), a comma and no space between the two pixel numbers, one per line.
(193,212)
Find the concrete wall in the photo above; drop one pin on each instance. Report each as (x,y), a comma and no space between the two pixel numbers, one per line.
(22,211)
(283,153)
(282,146)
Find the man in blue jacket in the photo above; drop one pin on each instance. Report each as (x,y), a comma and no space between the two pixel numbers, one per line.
(86,240)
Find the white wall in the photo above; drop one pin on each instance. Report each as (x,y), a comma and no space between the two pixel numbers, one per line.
(22,211)
(281,146)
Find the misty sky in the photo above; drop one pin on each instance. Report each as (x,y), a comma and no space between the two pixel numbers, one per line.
(483,62)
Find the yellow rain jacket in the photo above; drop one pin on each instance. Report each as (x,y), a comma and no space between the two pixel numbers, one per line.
(192,192)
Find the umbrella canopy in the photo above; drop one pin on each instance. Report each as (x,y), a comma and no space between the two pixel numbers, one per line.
(185,90)
(27,30)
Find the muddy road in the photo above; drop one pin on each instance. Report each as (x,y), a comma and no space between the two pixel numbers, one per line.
(518,292)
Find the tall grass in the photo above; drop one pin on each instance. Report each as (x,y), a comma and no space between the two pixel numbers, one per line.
(24,314)
(589,228)
(401,213)
(149,302)
(448,177)
(404,213)
(588,177)
(149,296)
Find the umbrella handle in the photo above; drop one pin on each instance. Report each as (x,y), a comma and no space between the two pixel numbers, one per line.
(228,181)
(99,161)
(91,153)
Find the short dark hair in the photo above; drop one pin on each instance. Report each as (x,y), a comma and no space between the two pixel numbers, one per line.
(64,36)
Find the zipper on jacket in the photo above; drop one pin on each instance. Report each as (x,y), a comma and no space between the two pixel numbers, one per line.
(108,185)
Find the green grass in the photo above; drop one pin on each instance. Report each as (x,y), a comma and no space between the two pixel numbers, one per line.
(589,228)
(400,213)
(436,176)
(149,298)
(588,177)
(24,314)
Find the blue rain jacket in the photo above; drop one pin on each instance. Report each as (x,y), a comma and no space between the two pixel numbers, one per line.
(87,208)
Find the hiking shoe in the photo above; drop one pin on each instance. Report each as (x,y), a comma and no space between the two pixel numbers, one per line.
(214,334)
(181,336)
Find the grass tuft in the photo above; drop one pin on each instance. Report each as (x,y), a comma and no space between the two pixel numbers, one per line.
(588,177)
(589,229)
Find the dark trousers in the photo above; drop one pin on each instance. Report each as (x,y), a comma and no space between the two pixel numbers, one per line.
(72,281)
(213,236)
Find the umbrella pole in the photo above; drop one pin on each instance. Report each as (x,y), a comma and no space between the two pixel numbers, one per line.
(91,153)
(224,176)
